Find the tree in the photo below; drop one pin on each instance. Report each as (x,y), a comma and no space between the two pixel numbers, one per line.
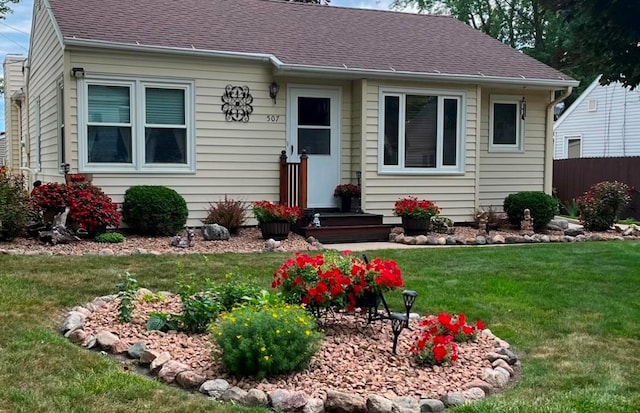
(603,37)
(326,2)
(5,7)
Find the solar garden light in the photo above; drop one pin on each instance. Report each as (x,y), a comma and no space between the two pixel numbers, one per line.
(398,321)
(409,297)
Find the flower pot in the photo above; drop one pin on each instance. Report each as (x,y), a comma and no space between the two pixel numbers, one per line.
(415,226)
(345,204)
(278,230)
(368,299)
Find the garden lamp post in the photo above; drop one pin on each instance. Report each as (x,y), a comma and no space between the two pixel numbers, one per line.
(409,297)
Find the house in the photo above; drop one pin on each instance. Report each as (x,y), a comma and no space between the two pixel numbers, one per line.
(15,113)
(204,97)
(3,148)
(603,122)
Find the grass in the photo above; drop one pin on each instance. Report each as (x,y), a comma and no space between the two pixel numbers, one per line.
(570,310)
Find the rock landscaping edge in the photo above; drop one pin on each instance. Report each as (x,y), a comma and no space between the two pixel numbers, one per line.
(504,370)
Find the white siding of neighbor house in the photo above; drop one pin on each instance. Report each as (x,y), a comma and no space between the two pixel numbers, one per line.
(612,129)
(504,173)
(240,160)
(13,83)
(455,194)
(46,67)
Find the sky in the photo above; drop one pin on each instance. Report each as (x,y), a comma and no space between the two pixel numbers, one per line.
(14,29)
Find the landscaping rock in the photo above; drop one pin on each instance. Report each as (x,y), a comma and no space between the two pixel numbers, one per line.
(505,351)
(340,402)
(498,239)
(170,370)
(119,347)
(405,405)
(495,379)
(73,321)
(410,240)
(473,394)
(137,350)
(148,356)
(558,224)
(451,240)
(400,238)
(493,356)
(314,405)
(106,252)
(79,309)
(481,240)
(442,241)
(234,393)
(214,388)
(90,342)
(573,232)
(215,232)
(106,339)
(504,374)
(159,361)
(189,379)
(285,400)
(76,336)
(422,240)
(453,399)
(431,405)
(480,384)
(378,404)
(255,398)
(504,365)
(431,240)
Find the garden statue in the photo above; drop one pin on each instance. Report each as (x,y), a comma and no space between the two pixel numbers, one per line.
(526,226)
(483,220)
(316,220)
(59,233)
(187,242)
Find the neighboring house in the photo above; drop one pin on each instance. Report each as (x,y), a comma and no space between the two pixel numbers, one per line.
(603,122)
(3,149)
(15,113)
(203,98)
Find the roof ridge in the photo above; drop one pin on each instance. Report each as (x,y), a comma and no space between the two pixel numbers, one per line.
(303,4)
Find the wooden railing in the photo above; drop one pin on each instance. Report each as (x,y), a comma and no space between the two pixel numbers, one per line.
(293,181)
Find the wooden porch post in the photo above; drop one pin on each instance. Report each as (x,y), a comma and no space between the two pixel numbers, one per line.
(303,180)
(283,179)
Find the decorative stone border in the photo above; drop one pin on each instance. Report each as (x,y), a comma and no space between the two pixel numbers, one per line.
(503,360)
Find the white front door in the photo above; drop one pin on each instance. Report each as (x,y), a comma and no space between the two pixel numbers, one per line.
(314,125)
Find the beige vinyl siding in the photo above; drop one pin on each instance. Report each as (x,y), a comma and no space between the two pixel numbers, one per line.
(46,67)
(240,160)
(504,173)
(13,83)
(356,130)
(454,193)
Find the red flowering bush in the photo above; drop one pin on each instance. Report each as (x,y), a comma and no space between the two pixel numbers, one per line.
(267,211)
(90,208)
(437,336)
(601,205)
(334,280)
(346,190)
(412,207)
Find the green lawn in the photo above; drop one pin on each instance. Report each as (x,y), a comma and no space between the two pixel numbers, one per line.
(570,310)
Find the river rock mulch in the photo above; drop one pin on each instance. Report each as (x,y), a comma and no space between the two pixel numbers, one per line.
(355,367)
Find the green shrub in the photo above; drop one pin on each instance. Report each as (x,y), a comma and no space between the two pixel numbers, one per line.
(228,212)
(15,208)
(233,292)
(601,205)
(267,340)
(543,207)
(154,210)
(110,237)
(127,289)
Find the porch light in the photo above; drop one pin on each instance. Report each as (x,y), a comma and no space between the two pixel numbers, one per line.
(274,88)
(77,72)
(523,108)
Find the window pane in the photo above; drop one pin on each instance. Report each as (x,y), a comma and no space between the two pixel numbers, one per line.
(391,123)
(573,148)
(109,144)
(421,125)
(450,132)
(314,141)
(165,145)
(109,104)
(504,123)
(314,111)
(164,106)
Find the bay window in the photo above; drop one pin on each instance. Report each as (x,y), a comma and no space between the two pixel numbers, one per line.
(421,131)
(135,125)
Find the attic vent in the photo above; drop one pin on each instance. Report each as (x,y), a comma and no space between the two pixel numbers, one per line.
(593,105)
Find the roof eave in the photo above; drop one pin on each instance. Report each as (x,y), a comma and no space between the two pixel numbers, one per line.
(282,68)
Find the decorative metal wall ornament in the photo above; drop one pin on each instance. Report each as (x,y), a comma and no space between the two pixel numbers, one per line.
(237,103)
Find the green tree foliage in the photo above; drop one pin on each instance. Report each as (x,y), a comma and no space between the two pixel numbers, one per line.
(603,36)
(5,7)
(312,1)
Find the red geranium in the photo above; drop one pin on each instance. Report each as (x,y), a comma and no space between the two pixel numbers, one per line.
(412,207)
(267,211)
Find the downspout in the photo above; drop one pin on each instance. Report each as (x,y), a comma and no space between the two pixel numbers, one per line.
(548,148)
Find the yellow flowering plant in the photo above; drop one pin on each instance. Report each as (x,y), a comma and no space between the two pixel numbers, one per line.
(268,339)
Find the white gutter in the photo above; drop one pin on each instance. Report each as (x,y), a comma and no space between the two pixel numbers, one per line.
(293,69)
(548,148)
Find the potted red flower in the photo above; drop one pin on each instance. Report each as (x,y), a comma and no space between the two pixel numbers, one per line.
(416,214)
(275,220)
(346,192)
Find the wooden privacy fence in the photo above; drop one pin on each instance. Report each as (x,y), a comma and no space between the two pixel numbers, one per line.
(573,177)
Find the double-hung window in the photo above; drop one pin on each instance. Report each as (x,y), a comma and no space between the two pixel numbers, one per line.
(133,125)
(421,131)
(506,124)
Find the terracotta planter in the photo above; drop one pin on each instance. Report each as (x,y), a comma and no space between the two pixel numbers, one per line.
(415,226)
(277,230)
(345,204)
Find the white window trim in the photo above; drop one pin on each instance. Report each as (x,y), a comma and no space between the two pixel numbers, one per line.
(566,144)
(137,119)
(518,147)
(442,94)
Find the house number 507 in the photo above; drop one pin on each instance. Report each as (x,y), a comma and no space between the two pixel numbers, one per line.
(273,118)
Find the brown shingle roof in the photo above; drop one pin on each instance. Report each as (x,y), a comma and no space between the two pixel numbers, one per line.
(302,34)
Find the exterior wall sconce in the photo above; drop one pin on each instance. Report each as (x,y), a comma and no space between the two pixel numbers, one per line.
(274,88)
(523,108)
(77,72)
